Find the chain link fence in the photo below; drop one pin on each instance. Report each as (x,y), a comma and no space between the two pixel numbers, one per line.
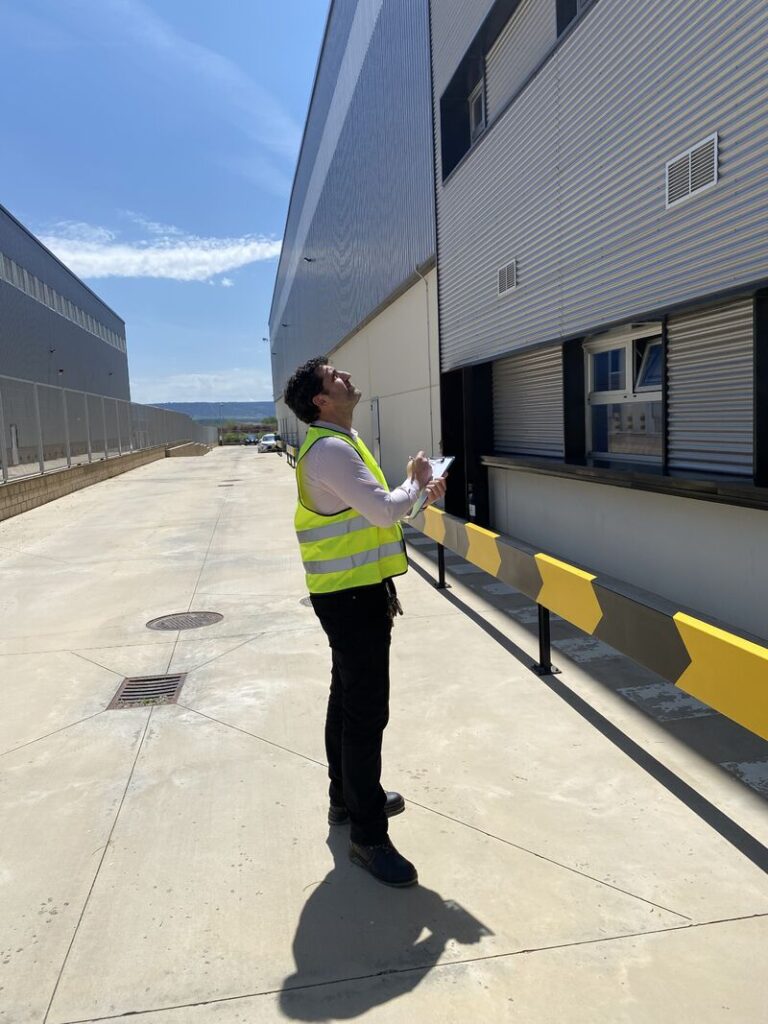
(43,428)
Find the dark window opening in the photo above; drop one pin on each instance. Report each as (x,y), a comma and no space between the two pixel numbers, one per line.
(568,11)
(462,113)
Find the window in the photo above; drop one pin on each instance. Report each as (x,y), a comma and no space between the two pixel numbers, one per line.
(477,110)
(624,374)
(568,11)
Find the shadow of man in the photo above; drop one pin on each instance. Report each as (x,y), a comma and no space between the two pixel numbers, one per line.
(377,941)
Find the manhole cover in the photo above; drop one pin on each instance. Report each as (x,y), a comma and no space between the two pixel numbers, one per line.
(185,620)
(306,601)
(146,691)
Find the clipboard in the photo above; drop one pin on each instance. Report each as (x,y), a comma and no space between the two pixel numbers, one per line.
(439,468)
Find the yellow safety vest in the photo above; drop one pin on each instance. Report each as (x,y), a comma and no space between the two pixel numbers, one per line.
(344,550)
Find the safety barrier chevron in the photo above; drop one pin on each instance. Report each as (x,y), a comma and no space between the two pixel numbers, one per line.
(710,662)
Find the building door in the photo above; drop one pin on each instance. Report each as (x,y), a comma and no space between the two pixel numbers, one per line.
(376,429)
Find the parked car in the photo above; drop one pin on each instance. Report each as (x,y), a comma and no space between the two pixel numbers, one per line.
(268,443)
(250,439)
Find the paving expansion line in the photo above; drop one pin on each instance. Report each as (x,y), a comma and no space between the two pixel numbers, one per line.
(743,841)
(425,969)
(98,867)
(254,736)
(458,821)
(115,647)
(46,735)
(199,577)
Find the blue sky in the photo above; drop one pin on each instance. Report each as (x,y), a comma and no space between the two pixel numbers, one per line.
(151,144)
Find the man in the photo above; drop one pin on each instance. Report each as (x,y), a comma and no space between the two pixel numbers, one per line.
(347,522)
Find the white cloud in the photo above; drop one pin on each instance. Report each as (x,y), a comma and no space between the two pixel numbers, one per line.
(227,282)
(235,385)
(154,227)
(94,252)
(245,103)
(79,231)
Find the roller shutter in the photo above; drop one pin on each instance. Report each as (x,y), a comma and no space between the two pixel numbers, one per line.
(710,389)
(528,403)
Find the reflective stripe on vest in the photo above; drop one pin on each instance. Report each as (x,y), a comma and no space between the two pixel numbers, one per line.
(353,561)
(334,530)
(345,550)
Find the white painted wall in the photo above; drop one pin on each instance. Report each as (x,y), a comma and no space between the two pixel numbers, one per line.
(706,556)
(394,358)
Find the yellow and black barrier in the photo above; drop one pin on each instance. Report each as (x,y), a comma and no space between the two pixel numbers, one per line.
(720,668)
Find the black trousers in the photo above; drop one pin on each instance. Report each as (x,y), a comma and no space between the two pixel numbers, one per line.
(358,626)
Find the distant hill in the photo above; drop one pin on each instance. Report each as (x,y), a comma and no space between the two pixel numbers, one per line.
(246,412)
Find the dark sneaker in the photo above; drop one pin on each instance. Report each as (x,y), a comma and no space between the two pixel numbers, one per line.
(338,815)
(384,863)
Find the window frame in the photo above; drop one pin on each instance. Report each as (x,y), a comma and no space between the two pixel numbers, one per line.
(476,130)
(630,394)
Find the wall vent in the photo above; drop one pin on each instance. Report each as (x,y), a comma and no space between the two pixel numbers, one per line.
(508,277)
(693,171)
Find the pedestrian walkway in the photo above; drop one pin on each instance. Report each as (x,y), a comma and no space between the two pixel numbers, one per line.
(173,865)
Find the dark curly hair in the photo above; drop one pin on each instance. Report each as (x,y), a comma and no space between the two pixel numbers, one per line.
(305,383)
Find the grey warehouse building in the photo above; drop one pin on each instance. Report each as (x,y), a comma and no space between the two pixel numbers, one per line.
(64,385)
(599,272)
(53,328)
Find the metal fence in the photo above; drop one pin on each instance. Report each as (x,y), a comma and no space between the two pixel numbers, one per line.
(43,428)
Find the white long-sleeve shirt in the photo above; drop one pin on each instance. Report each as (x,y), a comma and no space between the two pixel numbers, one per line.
(336,478)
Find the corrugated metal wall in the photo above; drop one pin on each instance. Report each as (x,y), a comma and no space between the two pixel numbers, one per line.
(25,249)
(530,33)
(570,180)
(528,403)
(362,208)
(36,342)
(710,392)
(454,25)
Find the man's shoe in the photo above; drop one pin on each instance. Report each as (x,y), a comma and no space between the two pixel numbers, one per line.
(384,863)
(339,815)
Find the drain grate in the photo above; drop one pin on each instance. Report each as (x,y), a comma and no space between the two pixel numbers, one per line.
(146,691)
(185,620)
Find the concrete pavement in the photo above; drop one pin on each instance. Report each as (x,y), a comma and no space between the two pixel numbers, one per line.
(174,863)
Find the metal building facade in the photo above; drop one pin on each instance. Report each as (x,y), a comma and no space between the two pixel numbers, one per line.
(569,179)
(53,329)
(361,217)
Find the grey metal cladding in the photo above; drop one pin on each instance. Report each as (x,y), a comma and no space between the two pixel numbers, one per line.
(570,179)
(340,18)
(710,409)
(26,250)
(454,26)
(28,332)
(372,220)
(528,403)
(529,34)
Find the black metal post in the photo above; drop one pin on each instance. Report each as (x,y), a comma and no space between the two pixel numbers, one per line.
(441,584)
(544,667)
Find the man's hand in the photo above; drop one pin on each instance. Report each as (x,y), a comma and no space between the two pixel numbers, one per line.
(419,469)
(435,489)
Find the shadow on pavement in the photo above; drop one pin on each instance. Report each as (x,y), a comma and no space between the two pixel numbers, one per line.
(353,928)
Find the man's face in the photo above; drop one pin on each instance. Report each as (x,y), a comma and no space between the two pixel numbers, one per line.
(339,393)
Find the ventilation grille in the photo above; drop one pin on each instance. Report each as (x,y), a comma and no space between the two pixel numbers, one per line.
(146,691)
(693,171)
(508,277)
